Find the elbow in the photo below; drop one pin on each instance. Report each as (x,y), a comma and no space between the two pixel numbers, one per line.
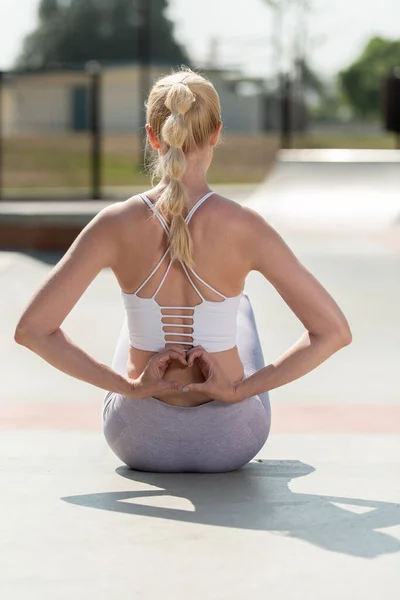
(28,335)
(347,337)
(336,337)
(342,336)
(24,335)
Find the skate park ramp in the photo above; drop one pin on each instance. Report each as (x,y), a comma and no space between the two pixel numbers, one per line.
(331,189)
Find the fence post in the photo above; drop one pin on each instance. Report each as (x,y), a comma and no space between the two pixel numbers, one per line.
(93,68)
(144,54)
(286,112)
(1,134)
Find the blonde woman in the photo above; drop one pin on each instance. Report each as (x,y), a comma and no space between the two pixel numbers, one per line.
(188,387)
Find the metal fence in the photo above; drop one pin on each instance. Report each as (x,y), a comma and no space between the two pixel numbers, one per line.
(41,115)
(78,131)
(68,132)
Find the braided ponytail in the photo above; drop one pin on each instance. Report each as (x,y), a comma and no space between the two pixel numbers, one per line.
(183,117)
(173,200)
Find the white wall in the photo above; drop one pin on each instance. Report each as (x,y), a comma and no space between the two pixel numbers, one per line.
(241,114)
(42,109)
(121,98)
(43,103)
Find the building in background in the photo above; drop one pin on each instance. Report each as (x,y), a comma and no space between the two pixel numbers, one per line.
(58,101)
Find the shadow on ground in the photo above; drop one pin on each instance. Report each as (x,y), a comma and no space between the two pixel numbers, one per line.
(258,497)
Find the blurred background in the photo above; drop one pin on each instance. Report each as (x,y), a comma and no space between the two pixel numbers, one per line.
(290,73)
(310,94)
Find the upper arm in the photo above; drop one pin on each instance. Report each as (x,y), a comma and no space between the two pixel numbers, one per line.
(303,293)
(94,249)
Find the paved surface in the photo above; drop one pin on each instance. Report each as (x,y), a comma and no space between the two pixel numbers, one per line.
(353,190)
(316,515)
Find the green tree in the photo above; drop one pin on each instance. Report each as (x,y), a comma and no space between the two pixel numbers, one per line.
(362,81)
(75,31)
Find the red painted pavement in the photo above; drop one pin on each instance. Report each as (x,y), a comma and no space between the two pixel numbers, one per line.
(285,419)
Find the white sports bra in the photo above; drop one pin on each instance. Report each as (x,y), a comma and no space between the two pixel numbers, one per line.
(213,323)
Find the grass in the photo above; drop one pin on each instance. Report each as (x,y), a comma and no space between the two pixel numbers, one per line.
(382,141)
(35,163)
(39,163)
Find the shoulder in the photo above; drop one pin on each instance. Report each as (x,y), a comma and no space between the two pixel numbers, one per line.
(124,214)
(116,211)
(261,245)
(114,226)
(243,219)
(224,208)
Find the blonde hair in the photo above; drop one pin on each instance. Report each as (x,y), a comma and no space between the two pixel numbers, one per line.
(183,110)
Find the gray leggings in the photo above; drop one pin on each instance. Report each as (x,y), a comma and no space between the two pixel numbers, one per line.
(149,435)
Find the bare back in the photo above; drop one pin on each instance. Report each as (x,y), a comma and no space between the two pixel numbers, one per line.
(219,259)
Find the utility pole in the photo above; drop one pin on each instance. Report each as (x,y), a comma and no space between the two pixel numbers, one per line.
(284,76)
(278,7)
(144,54)
(300,59)
(212,60)
(277,37)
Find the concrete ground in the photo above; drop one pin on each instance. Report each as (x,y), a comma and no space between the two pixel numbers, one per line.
(315,515)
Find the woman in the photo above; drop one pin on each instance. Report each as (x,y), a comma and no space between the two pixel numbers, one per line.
(188,388)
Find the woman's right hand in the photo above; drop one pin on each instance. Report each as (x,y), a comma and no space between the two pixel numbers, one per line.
(217,385)
(151,381)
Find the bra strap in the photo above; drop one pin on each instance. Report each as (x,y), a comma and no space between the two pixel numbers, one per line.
(153,271)
(188,216)
(207,284)
(190,279)
(163,279)
(158,215)
(196,206)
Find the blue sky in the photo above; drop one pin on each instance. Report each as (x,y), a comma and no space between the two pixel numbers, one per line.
(243,30)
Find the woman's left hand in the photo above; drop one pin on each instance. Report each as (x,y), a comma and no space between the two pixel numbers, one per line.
(217,385)
(152,380)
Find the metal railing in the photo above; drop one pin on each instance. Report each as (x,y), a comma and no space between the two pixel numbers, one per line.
(92,84)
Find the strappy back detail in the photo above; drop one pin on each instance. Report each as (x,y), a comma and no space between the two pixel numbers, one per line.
(213,322)
(166,228)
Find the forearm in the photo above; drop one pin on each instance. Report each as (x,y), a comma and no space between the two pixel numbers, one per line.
(63,354)
(304,356)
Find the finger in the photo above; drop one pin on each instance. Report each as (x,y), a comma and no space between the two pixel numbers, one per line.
(194,352)
(201,355)
(195,387)
(176,348)
(172,354)
(198,347)
(177,352)
(171,385)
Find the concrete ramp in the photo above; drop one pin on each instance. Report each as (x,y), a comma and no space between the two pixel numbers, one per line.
(331,189)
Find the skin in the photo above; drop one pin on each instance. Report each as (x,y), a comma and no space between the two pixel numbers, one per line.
(123,238)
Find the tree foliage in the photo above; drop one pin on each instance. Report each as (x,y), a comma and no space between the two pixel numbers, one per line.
(362,81)
(75,31)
